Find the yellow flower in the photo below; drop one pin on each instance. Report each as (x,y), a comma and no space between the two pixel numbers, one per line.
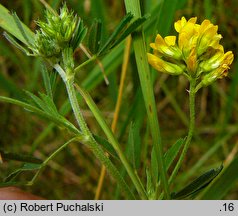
(218,73)
(183,22)
(208,37)
(196,52)
(167,46)
(187,34)
(192,62)
(217,67)
(165,67)
(218,60)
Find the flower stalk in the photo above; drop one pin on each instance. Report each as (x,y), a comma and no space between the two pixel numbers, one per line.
(192,93)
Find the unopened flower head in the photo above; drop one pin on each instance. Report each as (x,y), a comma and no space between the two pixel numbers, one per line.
(57,32)
(196,52)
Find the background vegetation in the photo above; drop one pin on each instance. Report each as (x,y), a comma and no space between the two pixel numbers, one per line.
(74,173)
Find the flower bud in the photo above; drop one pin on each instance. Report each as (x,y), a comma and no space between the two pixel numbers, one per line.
(218,73)
(57,33)
(218,60)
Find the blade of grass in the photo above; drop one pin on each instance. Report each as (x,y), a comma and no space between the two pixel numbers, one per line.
(133,6)
(93,107)
(117,109)
(167,13)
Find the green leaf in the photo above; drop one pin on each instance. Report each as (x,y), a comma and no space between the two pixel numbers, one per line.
(95,36)
(8,23)
(79,34)
(149,185)
(46,80)
(154,167)
(21,28)
(24,168)
(50,105)
(171,154)
(37,101)
(19,157)
(131,28)
(124,29)
(45,103)
(169,157)
(121,26)
(134,146)
(60,121)
(223,183)
(15,43)
(106,145)
(198,184)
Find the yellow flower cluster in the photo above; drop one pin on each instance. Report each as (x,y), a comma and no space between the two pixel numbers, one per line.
(196,53)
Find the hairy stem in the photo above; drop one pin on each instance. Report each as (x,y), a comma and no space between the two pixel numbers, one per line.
(88,137)
(192,92)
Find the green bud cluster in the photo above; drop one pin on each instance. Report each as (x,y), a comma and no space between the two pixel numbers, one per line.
(58,32)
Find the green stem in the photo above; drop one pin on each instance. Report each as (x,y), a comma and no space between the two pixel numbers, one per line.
(192,93)
(133,6)
(88,137)
(46,161)
(75,106)
(77,69)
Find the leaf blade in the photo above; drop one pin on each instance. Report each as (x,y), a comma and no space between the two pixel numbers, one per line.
(225,181)
(198,184)
(8,23)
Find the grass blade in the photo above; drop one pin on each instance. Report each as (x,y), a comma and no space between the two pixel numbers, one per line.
(134,146)
(148,94)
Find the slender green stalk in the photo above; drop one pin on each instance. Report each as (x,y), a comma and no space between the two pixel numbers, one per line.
(133,6)
(77,69)
(46,161)
(88,137)
(93,107)
(192,93)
